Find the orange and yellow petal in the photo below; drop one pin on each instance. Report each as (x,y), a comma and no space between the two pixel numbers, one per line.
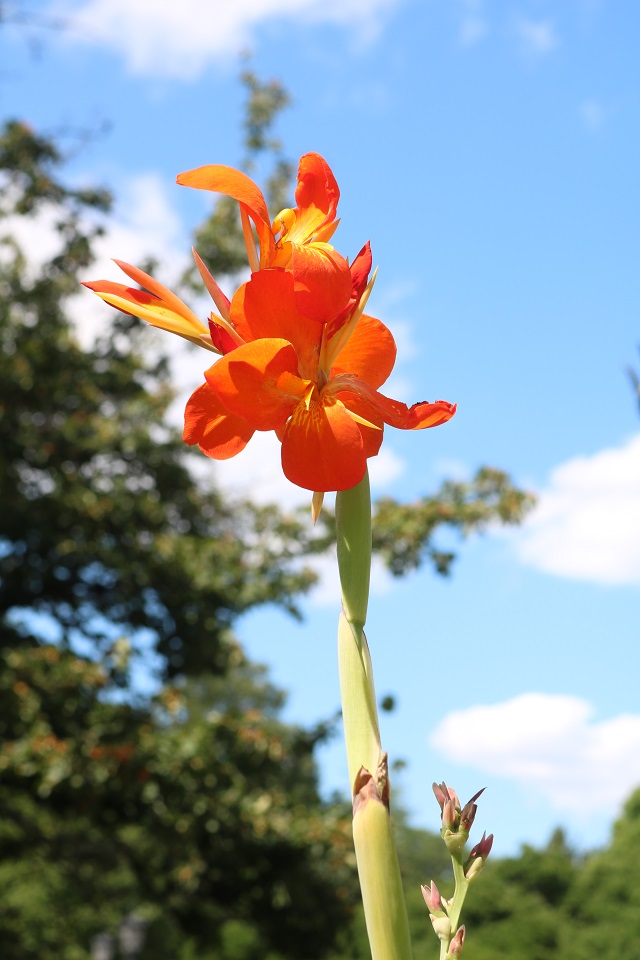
(265,308)
(259,382)
(322,281)
(369,353)
(322,447)
(317,188)
(167,313)
(371,427)
(317,195)
(163,293)
(380,408)
(237,185)
(219,433)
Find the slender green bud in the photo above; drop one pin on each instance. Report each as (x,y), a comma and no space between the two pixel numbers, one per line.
(353,533)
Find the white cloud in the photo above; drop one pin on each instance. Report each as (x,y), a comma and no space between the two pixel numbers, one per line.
(538,37)
(472,30)
(586,525)
(551,746)
(142,225)
(164,38)
(473,25)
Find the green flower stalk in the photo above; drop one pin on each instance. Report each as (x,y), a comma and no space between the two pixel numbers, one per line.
(378,869)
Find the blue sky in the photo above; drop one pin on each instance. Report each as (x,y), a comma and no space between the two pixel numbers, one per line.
(489,150)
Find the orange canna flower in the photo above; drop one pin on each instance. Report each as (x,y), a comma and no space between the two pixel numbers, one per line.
(298,355)
(297,239)
(315,385)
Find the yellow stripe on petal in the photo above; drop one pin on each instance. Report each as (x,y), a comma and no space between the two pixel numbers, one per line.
(157,315)
(173,302)
(365,423)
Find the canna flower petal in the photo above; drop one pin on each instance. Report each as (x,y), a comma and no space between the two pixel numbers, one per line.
(259,382)
(160,308)
(371,428)
(417,417)
(312,221)
(240,187)
(167,311)
(266,307)
(317,196)
(218,433)
(322,281)
(369,353)
(360,270)
(322,447)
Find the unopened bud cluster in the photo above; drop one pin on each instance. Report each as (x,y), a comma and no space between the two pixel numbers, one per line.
(456,824)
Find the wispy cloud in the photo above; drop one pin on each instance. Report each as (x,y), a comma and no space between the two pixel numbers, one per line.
(180,40)
(552,747)
(143,224)
(592,114)
(586,525)
(537,37)
(472,23)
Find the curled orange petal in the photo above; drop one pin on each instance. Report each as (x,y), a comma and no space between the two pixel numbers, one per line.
(317,187)
(237,185)
(397,414)
(259,382)
(219,433)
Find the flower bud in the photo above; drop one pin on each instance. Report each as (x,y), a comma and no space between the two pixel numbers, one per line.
(448,815)
(468,812)
(432,898)
(481,849)
(474,869)
(442,926)
(476,859)
(443,793)
(455,947)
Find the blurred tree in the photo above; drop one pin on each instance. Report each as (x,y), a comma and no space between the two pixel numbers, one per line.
(404,534)
(516,908)
(198,810)
(604,902)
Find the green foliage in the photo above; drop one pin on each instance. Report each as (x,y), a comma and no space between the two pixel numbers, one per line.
(199,810)
(604,904)
(516,907)
(404,534)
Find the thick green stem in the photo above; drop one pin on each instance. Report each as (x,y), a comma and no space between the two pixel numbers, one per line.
(378,870)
